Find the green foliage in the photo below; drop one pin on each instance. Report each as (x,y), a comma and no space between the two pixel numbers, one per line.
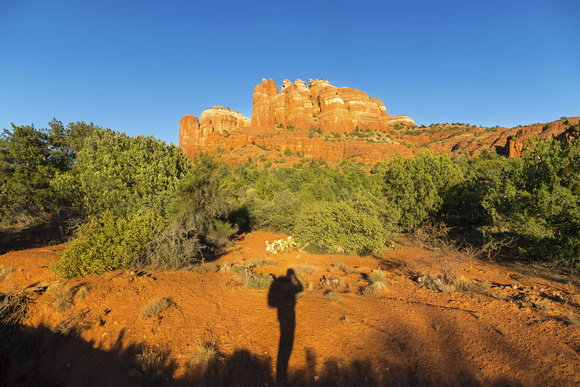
(419,185)
(201,202)
(121,174)
(29,159)
(538,200)
(352,227)
(107,243)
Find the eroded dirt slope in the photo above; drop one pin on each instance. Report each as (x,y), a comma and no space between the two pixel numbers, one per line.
(511,327)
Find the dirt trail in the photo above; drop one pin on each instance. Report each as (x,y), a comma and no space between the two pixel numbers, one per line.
(513,328)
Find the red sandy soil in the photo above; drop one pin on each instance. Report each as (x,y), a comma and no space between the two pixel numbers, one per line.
(514,329)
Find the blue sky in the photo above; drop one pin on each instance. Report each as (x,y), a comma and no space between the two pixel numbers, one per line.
(139,66)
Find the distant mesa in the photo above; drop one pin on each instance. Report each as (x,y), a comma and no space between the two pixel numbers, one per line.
(319,105)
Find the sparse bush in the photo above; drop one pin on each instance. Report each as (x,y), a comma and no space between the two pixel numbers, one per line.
(82,293)
(177,246)
(154,308)
(463,284)
(436,283)
(305,269)
(572,320)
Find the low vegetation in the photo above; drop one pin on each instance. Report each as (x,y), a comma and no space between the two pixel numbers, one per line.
(137,202)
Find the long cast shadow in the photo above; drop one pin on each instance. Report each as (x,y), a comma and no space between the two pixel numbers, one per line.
(282,296)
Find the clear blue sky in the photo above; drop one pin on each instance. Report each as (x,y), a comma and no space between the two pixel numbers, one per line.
(139,66)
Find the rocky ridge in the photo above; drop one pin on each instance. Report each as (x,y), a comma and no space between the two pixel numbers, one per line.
(339,123)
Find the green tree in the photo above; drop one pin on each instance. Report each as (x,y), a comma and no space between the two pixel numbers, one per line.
(121,174)
(29,160)
(538,200)
(419,186)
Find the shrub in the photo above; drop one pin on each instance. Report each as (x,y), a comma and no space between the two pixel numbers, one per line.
(107,243)
(419,185)
(344,227)
(281,245)
(177,246)
(253,281)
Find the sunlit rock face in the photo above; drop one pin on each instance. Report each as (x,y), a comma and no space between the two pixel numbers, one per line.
(319,105)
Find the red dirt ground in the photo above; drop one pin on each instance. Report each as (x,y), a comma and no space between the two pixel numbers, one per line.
(513,329)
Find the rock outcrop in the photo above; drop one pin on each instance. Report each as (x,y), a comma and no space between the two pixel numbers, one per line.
(320,120)
(216,121)
(319,105)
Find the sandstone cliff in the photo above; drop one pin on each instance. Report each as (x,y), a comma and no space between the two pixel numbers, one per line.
(319,106)
(320,120)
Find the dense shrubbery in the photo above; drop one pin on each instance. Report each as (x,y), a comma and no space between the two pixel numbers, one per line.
(107,243)
(146,205)
(538,200)
(349,227)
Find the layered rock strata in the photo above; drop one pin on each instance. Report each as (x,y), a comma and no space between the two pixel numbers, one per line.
(319,105)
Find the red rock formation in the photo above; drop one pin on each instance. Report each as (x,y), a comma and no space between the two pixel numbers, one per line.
(320,105)
(340,111)
(189,136)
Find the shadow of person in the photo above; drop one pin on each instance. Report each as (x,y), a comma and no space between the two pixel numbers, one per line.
(282,296)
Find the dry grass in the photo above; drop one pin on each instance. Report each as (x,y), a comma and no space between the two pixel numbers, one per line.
(374,288)
(82,293)
(62,295)
(308,269)
(463,285)
(499,294)
(543,304)
(572,320)
(5,272)
(204,356)
(333,296)
(154,308)
(74,325)
(207,267)
(149,365)
(13,308)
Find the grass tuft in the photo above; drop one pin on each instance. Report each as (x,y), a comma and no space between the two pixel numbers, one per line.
(74,325)
(5,272)
(63,296)
(204,356)
(154,308)
(149,365)
(333,296)
(82,293)
(206,267)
